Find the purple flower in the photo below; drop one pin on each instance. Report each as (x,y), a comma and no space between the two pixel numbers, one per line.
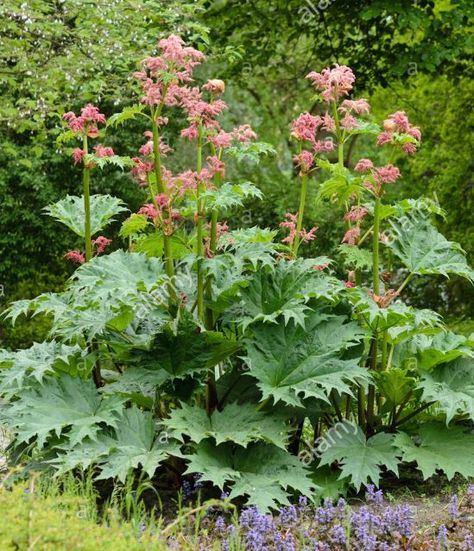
(288,516)
(403,520)
(303,501)
(187,491)
(442,537)
(326,513)
(467,544)
(197,482)
(220,525)
(339,535)
(341,508)
(453,507)
(254,539)
(374,496)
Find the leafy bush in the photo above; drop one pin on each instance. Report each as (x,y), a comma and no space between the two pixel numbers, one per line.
(51,523)
(209,351)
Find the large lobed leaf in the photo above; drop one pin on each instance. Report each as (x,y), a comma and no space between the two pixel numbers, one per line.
(437,447)
(187,349)
(284,291)
(290,362)
(361,459)
(137,384)
(70,211)
(451,386)
(424,250)
(398,319)
(261,472)
(20,369)
(120,270)
(238,423)
(428,351)
(133,443)
(229,196)
(342,185)
(64,405)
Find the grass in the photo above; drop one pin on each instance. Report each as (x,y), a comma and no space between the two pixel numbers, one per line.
(47,513)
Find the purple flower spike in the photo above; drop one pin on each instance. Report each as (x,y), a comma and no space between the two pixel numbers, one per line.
(454,507)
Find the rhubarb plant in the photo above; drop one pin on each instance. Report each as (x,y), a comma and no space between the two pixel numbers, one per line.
(200,348)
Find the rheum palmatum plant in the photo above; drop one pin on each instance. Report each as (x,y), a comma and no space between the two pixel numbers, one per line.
(226,353)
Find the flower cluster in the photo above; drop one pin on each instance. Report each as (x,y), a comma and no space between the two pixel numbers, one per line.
(78,257)
(387,174)
(356,214)
(333,83)
(87,122)
(305,128)
(304,161)
(161,76)
(398,123)
(86,125)
(330,526)
(290,224)
(161,212)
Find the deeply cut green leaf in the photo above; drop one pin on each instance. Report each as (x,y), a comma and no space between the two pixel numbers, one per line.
(438,447)
(361,459)
(424,250)
(452,387)
(70,211)
(132,444)
(261,472)
(238,423)
(290,362)
(65,405)
(19,369)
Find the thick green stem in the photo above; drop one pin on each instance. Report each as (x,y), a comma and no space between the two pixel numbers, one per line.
(199,230)
(262,404)
(213,240)
(340,142)
(168,254)
(299,221)
(383,364)
(361,406)
(376,290)
(348,407)
(413,414)
(375,247)
(384,351)
(371,392)
(206,317)
(215,212)
(340,154)
(209,315)
(86,178)
(336,407)
(400,408)
(405,282)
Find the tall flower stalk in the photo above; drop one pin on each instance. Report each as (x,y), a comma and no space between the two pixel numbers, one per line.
(200,215)
(86,177)
(161,186)
(299,222)
(334,85)
(85,126)
(215,211)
